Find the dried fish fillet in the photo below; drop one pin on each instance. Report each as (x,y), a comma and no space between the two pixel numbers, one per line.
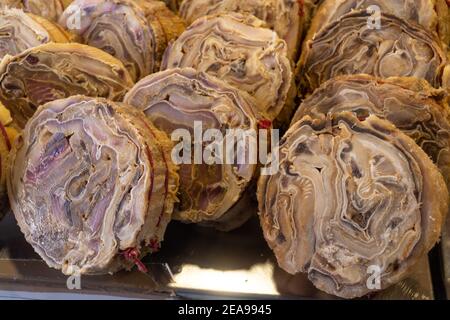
(58,70)
(351,198)
(91,185)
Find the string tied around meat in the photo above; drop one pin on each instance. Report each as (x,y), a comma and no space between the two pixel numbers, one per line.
(154,245)
(264,124)
(132,254)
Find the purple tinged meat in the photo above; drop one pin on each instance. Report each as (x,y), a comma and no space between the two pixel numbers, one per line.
(48,9)
(351,197)
(237,49)
(286,17)
(136,32)
(56,70)
(175,99)
(433,15)
(91,182)
(352,46)
(21,31)
(412,105)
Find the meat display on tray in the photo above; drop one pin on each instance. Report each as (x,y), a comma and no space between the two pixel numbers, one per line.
(119,116)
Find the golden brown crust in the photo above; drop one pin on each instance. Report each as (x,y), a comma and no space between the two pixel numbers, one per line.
(178,98)
(57,70)
(166,25)
(7,136)
(56,32)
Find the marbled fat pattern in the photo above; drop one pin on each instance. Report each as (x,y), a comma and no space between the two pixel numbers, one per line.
(91,179)
(238,49)
(411,104)
(286,17)
(351,46)
(134,31)
(175,99)
(348,195)
(58,70)
(20,31)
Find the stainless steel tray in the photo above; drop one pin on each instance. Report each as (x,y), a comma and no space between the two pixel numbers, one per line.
(194,262)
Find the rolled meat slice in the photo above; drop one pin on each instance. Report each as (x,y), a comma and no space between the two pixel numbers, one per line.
(412,105)
(286,17)
(48,9)
(7,135)
(58,70)
(239,50)
(351,199)
(431,14)
(181,99)
(21,31)
(91,185)
(136,32)
(352,46)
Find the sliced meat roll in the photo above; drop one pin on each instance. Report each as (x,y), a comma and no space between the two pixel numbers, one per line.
(412,105)
(431,14)
(20,31)
(176,99)
(91,184)
(352,46)
(136,32)
(49,9)
(7,136)
(351,199)
(286,17)
(55,70)
(239,50)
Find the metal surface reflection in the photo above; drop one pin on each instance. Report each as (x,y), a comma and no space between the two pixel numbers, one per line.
(194,262)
